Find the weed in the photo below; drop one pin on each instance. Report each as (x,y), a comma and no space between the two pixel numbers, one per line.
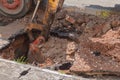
(22,60)
(103,13)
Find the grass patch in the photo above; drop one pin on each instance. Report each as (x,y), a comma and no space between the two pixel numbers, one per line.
(22,60)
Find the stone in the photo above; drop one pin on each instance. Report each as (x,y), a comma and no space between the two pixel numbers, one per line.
(71,48)
(70,19)
(70,51)
(106,27)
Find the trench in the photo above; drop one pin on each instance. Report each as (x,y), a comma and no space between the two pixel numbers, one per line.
(18,51)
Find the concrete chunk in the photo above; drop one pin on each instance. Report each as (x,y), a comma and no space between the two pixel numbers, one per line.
(11,71)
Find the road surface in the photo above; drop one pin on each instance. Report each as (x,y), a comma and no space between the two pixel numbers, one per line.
(83,3)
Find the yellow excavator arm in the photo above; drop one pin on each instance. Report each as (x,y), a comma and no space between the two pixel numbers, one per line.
(52,7)
(48,15)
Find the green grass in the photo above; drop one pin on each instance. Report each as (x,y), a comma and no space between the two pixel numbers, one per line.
(22,60)
(103,13)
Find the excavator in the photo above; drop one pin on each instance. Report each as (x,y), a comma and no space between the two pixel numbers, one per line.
(27,40)
(18,8)
(15,8)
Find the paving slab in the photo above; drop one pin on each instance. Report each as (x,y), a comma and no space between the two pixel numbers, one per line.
(10,70)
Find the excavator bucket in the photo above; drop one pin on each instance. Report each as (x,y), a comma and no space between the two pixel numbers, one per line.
(16,42)
(47,17)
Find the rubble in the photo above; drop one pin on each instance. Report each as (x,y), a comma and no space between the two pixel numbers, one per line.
(92,54)
(85,62)
(70,51)
(111,41)
(70,19)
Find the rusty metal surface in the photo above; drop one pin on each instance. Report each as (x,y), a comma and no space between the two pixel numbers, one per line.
(11,4)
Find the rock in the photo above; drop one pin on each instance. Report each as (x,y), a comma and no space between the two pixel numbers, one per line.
(111,37)
(70,51)
(71,48)
(115,23)
(87,62)
(110,43)
(108,61)
(70,19)
(106,27)
(80,65)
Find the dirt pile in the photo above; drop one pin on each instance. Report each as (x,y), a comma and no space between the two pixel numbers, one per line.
(100,54)
(112,41)
(98,46)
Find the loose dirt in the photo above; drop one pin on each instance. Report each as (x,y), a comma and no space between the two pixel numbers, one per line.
(90,44)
